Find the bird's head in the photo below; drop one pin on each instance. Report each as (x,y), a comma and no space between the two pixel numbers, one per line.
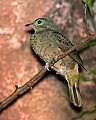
(41,24)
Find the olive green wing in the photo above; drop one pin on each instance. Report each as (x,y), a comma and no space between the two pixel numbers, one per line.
(65,44)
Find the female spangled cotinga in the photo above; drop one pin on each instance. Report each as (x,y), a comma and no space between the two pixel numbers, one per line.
(48,43)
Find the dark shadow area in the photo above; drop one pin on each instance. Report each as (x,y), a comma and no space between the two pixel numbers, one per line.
(76,109)
(31,31)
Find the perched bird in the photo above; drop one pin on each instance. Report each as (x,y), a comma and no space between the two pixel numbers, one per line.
(48,43)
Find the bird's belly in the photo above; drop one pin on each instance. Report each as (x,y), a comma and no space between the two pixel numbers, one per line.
(65,65)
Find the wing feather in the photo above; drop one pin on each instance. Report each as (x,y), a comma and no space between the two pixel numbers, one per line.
(65,44)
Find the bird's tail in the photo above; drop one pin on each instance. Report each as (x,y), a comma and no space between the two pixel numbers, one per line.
(74,94)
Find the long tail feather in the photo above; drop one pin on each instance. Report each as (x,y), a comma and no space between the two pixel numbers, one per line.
(74,94)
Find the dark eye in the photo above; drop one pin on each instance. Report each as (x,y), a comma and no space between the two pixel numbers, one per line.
(39,22)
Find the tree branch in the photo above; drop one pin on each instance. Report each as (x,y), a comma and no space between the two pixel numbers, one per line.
(21,90)
(85,19)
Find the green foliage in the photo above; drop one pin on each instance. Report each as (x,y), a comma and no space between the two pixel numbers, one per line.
(81,77)
(90,2)
(93,71)
(87,112)
(85,79)
(87,45)
(93,79)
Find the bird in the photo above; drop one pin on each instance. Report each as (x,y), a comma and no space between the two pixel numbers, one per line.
(48,43)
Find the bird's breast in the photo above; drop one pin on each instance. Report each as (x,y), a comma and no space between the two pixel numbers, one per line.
(44,47)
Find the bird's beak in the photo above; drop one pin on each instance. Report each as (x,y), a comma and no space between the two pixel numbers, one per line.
(30,25)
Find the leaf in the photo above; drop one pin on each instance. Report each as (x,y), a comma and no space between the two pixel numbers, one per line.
(93,79)
(81,77)
(92,43)
(93,71)
(90,2)
(89,112)
(87,45)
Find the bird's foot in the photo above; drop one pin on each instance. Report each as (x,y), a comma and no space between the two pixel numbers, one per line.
(47,66)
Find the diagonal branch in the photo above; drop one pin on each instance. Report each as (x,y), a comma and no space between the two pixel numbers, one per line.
(20,90)
(31,83)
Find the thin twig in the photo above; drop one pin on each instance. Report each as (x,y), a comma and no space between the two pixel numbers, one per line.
(85,19)
(20,90)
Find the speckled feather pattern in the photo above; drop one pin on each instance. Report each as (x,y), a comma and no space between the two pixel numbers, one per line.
(48,43)
(47,39)
(46,48)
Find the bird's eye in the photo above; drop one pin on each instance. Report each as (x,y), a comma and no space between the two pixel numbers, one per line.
(39,22)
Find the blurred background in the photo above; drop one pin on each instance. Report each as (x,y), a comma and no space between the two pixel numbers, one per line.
(49,99)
